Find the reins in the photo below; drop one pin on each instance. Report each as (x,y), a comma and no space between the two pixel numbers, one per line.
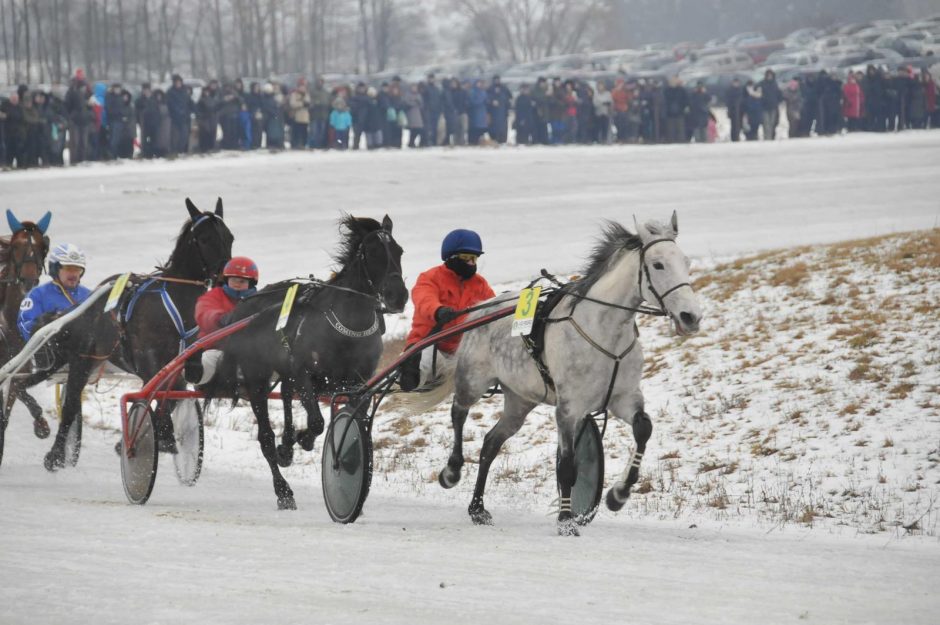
(617,358)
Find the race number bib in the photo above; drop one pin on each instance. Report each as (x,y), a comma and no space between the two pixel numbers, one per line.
(525,311)
(286,308)
(115,296)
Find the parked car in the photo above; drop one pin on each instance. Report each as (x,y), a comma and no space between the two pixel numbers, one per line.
(745,38)
(802,37)
(792,57)
(721,61)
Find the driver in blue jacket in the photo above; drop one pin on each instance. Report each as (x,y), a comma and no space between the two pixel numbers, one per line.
(65,292)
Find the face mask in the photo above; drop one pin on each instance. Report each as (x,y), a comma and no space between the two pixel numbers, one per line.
(463,269)
(236,295)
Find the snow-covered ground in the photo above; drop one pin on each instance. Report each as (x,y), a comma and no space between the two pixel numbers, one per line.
(795,436)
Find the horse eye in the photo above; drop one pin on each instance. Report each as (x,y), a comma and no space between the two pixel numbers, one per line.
(658,266)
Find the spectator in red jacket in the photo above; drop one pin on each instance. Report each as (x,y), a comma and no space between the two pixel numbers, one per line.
(439,295)
(214,310)
(853,101)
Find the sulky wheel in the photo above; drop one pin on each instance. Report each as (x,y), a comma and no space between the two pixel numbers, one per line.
(347,466)
(190,438)
(589,460)
(139,460)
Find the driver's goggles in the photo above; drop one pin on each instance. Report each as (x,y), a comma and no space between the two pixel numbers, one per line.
(467,258)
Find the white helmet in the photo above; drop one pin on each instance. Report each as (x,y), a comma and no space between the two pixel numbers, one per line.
(65,254)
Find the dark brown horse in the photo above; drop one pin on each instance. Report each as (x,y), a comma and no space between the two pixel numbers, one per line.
(155,317)
(22,258)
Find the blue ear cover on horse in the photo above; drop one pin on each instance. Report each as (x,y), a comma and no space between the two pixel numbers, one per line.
(43,223)
(461,241)
(15,225)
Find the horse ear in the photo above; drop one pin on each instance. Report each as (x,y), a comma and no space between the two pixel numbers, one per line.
(218,208)
(675,223)
(642,231)
(15,225)
(43,223)
(194,213)
(387,224)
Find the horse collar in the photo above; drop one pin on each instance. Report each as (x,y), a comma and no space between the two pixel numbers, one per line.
(337,325)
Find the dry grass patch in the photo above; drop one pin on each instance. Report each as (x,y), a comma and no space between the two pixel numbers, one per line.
(791,276)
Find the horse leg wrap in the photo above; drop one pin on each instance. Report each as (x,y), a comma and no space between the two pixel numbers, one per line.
(642,431)
(567,471)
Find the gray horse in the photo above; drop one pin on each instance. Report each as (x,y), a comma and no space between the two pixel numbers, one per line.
(592,358)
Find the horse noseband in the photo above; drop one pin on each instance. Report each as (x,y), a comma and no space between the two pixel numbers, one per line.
(644,268)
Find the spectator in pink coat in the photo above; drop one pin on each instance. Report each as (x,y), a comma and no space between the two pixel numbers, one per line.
(853,101)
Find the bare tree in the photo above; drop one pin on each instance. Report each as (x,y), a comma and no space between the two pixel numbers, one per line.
(525,30)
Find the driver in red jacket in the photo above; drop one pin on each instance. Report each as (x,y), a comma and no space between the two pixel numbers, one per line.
(440,293)
(214,310)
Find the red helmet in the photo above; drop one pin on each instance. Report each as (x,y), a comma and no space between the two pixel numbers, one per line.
(241,267)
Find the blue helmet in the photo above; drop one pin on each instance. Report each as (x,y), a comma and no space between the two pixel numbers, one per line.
(461,241)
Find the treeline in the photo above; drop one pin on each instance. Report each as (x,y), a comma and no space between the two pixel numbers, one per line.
(138,40)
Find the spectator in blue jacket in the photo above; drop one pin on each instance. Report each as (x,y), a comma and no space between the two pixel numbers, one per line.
(65,292)
(340,121)
(476,111)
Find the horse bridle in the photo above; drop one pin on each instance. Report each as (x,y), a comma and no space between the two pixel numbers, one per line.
(385,238)
(644,268)
(31,255)
(192,229)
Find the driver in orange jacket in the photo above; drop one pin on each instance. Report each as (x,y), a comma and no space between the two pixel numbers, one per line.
(440,293)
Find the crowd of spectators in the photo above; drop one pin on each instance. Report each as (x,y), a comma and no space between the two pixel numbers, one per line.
(97,121)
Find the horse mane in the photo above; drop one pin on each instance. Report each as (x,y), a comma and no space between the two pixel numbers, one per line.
(353,230)
(183,239)
(613,240)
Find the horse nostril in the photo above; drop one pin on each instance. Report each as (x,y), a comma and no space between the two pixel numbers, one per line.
(688,320)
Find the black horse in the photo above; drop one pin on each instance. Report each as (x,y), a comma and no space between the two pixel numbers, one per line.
(22,258)
(153,321)
(332,341)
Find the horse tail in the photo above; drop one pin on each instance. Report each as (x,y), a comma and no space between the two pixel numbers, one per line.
(427,397)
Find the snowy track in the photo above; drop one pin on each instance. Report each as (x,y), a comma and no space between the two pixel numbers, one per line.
(73,551)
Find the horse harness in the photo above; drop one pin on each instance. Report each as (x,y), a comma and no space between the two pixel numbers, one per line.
(535,341)
(378,322)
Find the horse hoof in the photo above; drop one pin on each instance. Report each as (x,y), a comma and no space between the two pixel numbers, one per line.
(614,501)
(41,428)
(285,455)
(305,439)
(53,462)
(448,478)
(286,503)
(481,516)
(568,527)
(118,447)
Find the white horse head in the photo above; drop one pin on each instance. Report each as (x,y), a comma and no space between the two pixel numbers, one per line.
(664,275)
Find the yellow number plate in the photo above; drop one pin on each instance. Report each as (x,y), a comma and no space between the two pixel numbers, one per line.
(115,296)
(525,311)
(286,307)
